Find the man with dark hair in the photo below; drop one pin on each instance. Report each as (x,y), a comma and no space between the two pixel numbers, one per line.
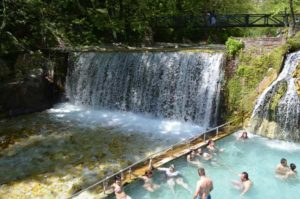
(282,168)
(244,184)
(204,186)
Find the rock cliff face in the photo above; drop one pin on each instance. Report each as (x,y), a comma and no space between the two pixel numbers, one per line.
(31,95)
(277,111)
(29,84)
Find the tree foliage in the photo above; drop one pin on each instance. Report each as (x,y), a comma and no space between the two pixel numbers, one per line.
(27,25)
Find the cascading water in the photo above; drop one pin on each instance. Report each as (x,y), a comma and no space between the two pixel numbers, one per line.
(277,111)
(175,85)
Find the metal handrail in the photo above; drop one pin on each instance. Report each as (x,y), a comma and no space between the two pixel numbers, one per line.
(150,157)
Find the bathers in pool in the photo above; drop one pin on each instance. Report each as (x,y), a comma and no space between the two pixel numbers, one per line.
(208,197)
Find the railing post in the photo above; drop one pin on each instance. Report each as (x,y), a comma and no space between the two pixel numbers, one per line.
(204,137)
(150,164)
(122,175)
(217,131)
(130,171)
(105,184)
(104,188)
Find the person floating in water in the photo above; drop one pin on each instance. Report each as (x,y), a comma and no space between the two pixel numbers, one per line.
(212,147)
(118,189)
(191,158)
(243,136)
(204,186)
(244,184)
(173,177)
(282,168)
(149,185)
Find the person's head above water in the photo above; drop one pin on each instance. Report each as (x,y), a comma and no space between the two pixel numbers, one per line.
(283,162)
(201,171)
(172,168)
(118,179)
(292,166)
(148,173)
(200,152)
(244,176)
(244,135)
(193,153)
(210,142)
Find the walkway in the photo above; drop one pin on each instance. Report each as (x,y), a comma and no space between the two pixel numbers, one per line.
(224,21)
(131,173)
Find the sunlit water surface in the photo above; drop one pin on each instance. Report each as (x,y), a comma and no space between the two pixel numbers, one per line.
(54,153)
(258,156)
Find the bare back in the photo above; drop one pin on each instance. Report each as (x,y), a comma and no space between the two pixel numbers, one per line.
(204,187)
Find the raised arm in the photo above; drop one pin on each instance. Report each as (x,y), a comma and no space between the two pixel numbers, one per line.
(162,169)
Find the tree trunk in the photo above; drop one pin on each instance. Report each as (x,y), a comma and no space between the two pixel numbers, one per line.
(293,18)
(3,17)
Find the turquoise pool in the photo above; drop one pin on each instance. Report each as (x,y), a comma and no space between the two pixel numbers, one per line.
(258,156)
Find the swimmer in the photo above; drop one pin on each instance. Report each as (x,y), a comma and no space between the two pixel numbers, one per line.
(191,158)
(148,181)
(204,155)
(292,173)
(243,136)
(204,186)
(212,147)
(118,189)
(244,184)
(173,177)
(282,168)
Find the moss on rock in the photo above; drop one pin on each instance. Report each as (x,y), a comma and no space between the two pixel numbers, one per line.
(297,85)
(279,93)
(245,85)
(296,73)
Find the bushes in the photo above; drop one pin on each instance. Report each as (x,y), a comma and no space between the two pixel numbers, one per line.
(233,46)
(294,43)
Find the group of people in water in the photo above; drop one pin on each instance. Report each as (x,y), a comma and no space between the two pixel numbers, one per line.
(205,184)
(284,171)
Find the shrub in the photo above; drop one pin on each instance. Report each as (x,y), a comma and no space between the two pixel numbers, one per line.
(294,43)
(233,46)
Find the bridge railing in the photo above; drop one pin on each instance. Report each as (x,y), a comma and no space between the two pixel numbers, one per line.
(220,20)
(204,136)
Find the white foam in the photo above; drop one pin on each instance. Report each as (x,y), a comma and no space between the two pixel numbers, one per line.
(126,122)
(282,145)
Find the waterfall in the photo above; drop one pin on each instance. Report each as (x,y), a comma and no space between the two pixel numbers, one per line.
(176,85)
(277,111)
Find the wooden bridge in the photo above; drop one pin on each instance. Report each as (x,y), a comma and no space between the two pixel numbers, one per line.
(224,21)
